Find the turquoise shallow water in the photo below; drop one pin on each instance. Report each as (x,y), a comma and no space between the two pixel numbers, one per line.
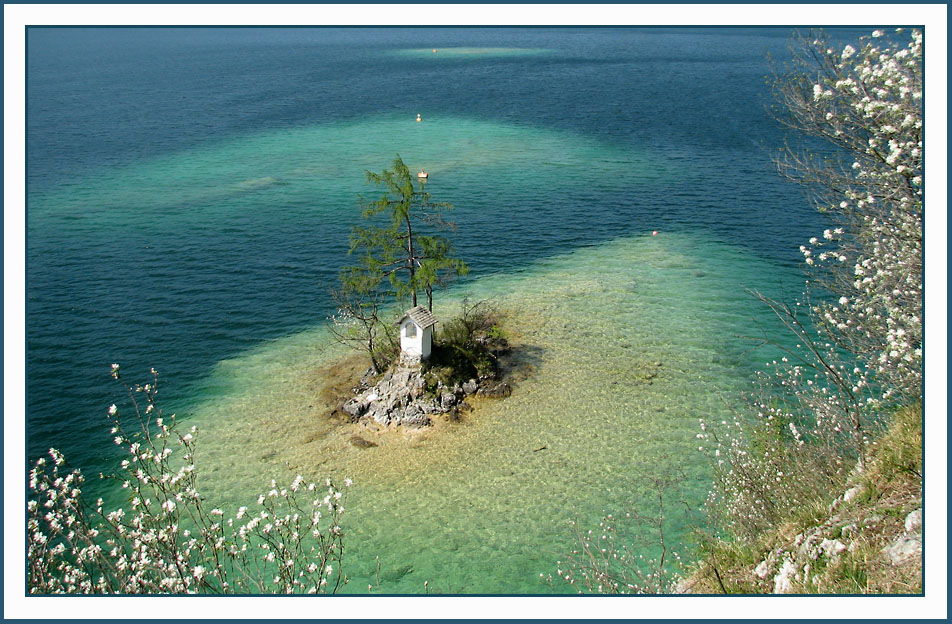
(190,195)
(632,341)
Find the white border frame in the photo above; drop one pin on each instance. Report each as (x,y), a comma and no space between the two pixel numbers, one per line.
(932,605)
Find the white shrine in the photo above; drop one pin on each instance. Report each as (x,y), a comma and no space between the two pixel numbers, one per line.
(416,334)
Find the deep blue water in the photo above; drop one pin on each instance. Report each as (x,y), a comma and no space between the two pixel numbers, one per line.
(125,264)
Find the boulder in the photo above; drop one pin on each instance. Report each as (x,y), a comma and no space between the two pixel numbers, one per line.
(914,521)
(353,407)
(447,400)
(852,493)
(783,578)
(904,549)
(470,387)
(497,391)
(429,407)
(413,415)
(368,377)
(832,548)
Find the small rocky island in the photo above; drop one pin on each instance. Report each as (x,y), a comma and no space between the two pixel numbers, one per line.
(471,356)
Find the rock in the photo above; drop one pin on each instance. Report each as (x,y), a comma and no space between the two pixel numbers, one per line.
(914,521)
(832,548)
(762,570)
(430,406)
(807,550)
(395,574)
(904,549)
(498,391)
(852,493)
(782,579)
(470,387)
(415,416)
(359,442)
(872,520)
(447,400)
(380,413)
(368,377)
(684,586)
(850,530)
(353,407)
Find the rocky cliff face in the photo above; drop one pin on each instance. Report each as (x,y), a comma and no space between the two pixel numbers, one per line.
(867,540)
(401,398)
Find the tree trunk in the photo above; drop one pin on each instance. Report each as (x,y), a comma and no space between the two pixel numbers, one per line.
(413,289)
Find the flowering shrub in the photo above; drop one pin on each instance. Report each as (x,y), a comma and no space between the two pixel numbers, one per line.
(628,553)
(168,539)
(860,350)
(867,102)
(604,562)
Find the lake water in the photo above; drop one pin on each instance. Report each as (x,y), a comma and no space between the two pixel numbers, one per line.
(190,195)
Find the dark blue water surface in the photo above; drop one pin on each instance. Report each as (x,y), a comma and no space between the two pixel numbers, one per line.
(169,282)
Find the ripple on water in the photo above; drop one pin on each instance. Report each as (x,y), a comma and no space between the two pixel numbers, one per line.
(469,52)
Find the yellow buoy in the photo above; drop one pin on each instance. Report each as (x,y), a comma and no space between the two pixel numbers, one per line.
(418,118)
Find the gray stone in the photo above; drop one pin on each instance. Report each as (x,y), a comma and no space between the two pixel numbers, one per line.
(832,548)
(782,579)
(906,548)
(914,521)
(447,400)
(367,377)
(807,549)
(413,415)
(470,387)
(498,391)
(852,493)
(762,570)
(353,407)
(429,407)
(850,530)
